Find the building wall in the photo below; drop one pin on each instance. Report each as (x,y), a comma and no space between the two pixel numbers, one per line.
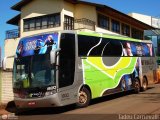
(143,18)
(101,30)
(6,89)
(68,9)
(85,11)
(152,21)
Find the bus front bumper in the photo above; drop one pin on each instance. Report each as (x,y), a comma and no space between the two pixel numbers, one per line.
(47,101)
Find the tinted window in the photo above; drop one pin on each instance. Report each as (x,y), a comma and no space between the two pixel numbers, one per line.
(125,30)
(103,21)
(115,26)
(96,46)
(89,46)
(42,22)
(113,48)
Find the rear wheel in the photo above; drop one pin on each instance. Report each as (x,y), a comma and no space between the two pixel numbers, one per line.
(136,86)
(144,84)
(84,98)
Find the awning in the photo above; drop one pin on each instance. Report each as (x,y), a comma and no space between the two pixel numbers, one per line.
(15,20)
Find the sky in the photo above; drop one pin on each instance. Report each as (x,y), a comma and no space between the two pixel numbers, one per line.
(147,7)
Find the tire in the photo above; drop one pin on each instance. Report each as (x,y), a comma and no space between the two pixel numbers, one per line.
(19,111)
(84,98)
(144,84)
(123,85)
(136,86)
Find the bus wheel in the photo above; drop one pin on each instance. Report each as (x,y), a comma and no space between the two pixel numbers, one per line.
(123,85)
(83,98)
(136,86)
(144,84)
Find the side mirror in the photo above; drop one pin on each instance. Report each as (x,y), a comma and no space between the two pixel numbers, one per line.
(53,55)
(4,62)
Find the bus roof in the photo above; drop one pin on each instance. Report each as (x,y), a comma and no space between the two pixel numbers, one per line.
(95,34)
(111,36)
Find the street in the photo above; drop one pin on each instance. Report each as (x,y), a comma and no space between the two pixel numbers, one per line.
(110,107)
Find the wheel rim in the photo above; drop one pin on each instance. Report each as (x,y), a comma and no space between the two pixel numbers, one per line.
(144,84)
(82,97)
(137,86)
(124,84)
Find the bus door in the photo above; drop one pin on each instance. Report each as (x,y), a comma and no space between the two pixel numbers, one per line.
(66,71)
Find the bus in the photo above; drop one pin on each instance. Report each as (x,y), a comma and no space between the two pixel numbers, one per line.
(67,67)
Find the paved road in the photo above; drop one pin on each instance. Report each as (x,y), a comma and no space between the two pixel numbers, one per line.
(110,107)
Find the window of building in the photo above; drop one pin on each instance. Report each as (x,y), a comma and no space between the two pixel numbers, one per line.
(38,23)
(125,30)
(32,24)
(57,20)
(115,26)
(51,21)
(137,33)
(103,21)
(68,23)
(42,22)
(26,25)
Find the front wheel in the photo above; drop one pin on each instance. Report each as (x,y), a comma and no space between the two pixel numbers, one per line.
(136,86)
(83,98)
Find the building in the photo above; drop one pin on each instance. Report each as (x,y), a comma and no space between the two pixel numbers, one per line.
(38,16)
(154,35)
(152,21)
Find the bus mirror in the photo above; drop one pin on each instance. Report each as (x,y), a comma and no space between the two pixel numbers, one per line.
(4,63)
(53,55)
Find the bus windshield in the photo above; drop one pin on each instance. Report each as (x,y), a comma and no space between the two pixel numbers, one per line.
(33,71)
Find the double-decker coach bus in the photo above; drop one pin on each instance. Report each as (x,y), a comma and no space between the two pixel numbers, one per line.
(61,68)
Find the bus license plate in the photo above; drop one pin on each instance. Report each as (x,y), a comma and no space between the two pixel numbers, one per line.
(31,103)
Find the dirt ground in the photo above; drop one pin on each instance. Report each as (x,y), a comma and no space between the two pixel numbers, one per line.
(3,110)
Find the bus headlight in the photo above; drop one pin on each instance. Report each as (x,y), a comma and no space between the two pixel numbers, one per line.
(16,95)
(50,92)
